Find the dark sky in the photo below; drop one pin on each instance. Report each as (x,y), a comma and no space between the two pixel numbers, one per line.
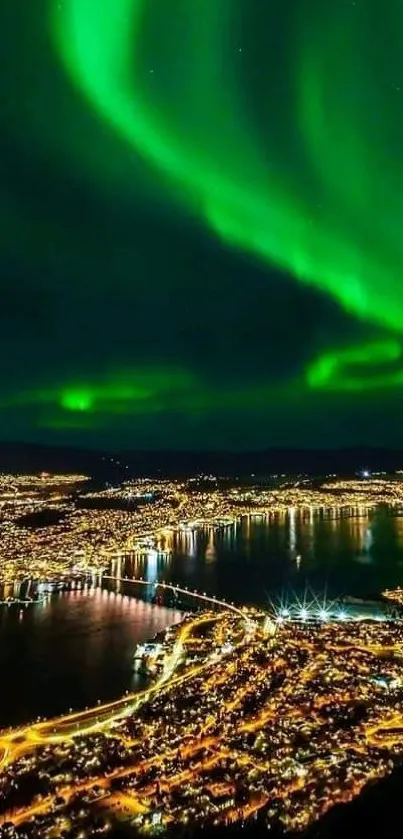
(200,223)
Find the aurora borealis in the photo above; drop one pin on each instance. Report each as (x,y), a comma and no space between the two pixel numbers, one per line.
(202,212)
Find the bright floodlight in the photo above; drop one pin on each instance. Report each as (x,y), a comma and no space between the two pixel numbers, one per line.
(304,613)
(323,615)
(342,616)
(285,613)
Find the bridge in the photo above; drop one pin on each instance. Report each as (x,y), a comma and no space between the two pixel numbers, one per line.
(203,598)
(98,577)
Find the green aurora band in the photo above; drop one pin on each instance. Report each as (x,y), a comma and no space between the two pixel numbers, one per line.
(138,391)
(335,225)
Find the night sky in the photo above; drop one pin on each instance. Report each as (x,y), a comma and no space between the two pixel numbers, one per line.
(201,223)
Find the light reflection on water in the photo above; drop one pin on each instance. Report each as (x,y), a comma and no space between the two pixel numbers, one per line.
(72,650)
(355,551)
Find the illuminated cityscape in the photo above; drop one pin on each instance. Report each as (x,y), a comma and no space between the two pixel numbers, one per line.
(93,527)
(277,713)
(249,714)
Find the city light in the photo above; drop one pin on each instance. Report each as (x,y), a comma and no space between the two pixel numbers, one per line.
(283,711)
(224,714)
(88,538)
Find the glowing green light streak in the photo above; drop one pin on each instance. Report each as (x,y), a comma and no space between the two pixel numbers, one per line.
(209,156)
(361,368)
(130,392)
(351,122)
(127,394)
(123,391)
(76,400)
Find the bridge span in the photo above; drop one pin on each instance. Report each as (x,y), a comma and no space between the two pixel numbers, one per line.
(203,597)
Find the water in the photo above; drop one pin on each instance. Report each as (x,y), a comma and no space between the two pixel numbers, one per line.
(72,651)
(78,647)
(351,553)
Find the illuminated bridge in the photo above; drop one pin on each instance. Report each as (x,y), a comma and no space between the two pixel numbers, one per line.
(187,598)
(201,599)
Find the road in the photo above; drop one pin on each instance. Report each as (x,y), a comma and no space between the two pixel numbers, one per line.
(20,741)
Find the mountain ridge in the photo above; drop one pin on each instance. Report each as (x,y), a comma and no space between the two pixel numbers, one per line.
(36,457)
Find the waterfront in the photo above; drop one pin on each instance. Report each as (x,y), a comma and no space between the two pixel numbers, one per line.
(354,552)
(73,650)
(78,647)
(250,717)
